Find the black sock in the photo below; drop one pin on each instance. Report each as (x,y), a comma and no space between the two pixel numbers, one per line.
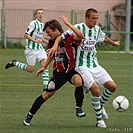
(79,96)
(36,105)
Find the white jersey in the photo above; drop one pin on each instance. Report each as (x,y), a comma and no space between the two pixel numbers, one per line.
(86,52)
(35,30)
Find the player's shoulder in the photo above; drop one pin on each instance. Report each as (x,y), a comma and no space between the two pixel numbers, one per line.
(97,27)
(35,21)
(32,22)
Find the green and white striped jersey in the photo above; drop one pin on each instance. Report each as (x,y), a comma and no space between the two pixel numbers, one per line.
(35,30)
(86,54)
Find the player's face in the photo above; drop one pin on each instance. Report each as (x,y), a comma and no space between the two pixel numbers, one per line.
(52,34)
(40,15)
(92,20)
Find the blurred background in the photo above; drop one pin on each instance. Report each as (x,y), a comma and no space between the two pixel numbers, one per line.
(114,18)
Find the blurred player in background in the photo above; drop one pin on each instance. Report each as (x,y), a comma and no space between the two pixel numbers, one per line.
(63,67)
(34,49)
(86,63)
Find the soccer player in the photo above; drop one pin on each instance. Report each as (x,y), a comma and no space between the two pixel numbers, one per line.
(63,67)
(34,49)
(86,63)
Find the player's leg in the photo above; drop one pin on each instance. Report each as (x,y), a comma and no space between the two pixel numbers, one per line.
(110,87)
(16,63)
(104,79)
(91,85)
(79,95)
(45,74)
(54,84)
(36,105)
(96,104)
(31,60)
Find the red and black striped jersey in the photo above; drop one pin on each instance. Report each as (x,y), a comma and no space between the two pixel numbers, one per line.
(65,56)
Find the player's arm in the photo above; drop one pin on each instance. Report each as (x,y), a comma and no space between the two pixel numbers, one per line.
(27,36)
(45,40)
(29,30)
(54,49)
(78,34)
(47,62)
(111,42)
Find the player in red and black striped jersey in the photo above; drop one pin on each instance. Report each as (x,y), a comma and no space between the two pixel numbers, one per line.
(63,67)
(64,57)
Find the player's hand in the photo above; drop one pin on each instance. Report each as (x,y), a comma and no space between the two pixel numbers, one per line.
(64,18)
(117,43)
(39,71)
(51,51)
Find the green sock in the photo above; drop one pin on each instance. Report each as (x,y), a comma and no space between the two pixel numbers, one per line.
(45,76)
(105,96)
(97,107)
(20,65)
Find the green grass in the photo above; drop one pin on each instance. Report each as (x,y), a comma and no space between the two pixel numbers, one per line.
(19,89)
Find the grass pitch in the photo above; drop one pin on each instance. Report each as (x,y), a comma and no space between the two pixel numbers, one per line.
(19,89)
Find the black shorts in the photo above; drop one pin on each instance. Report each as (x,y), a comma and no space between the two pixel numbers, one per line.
(59,79)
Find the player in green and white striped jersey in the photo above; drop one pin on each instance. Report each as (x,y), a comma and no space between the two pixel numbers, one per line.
(86,63)
(34,49)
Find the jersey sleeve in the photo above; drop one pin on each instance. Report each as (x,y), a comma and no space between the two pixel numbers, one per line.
(101,36)
(66,34)
(30,28)
(69,35)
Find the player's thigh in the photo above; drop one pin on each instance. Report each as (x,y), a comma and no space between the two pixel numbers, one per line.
(75,78)
(56,82)
(101,76)
(86,76)
(41,56)
(30,57)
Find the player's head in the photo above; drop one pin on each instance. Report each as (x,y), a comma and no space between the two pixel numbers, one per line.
(39,14)
(53,28)
(91,17)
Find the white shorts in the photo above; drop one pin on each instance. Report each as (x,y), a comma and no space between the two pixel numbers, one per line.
(91,75)
(32,55)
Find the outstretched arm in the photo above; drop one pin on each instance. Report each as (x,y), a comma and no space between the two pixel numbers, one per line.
(49,59)
(78,34)
(113,43)
(77,37)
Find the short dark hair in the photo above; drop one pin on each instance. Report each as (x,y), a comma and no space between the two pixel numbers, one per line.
(53,24)
(89,11)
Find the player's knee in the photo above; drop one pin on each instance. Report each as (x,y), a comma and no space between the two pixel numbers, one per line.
(30,69)
(111,86)
(51,85)
(77,80)
(95,90)
(78,83)
(46,95)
